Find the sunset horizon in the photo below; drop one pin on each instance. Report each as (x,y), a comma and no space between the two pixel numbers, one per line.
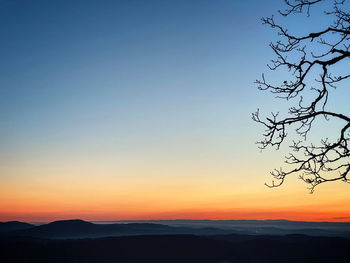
(152,111)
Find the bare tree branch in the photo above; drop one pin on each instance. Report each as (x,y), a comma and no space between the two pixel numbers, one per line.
(328,161)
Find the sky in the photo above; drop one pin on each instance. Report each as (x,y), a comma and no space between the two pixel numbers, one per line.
(135,109)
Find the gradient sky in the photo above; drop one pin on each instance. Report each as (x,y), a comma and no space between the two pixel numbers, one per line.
(142,110)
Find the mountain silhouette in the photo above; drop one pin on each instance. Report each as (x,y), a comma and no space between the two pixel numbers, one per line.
(81,229)
(14,225)
(80,241)
(77,228)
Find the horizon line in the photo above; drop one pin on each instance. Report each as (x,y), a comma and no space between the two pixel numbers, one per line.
(179,219)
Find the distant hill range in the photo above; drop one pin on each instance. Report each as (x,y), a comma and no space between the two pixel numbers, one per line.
(14,225)
(82,229)
(130,242)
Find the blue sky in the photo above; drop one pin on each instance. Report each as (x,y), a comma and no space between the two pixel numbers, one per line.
(73,69)
(157,94)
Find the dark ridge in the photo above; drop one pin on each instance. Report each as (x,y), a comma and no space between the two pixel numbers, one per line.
(177,248)
(82,229)
(62,228)
(13,226)
(69,223)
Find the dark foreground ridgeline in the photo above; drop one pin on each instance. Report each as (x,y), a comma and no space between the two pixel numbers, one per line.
(80,241)
(176,248)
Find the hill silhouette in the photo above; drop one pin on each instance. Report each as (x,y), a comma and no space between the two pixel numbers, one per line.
(81,229)
(80,241)
(77,228)
(14,225)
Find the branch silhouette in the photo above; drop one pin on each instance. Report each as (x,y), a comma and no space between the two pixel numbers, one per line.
(328,160)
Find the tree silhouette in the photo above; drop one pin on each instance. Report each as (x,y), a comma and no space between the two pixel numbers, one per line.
(303,57)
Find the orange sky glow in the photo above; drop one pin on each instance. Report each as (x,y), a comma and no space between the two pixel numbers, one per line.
(219,202)
(142,110)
